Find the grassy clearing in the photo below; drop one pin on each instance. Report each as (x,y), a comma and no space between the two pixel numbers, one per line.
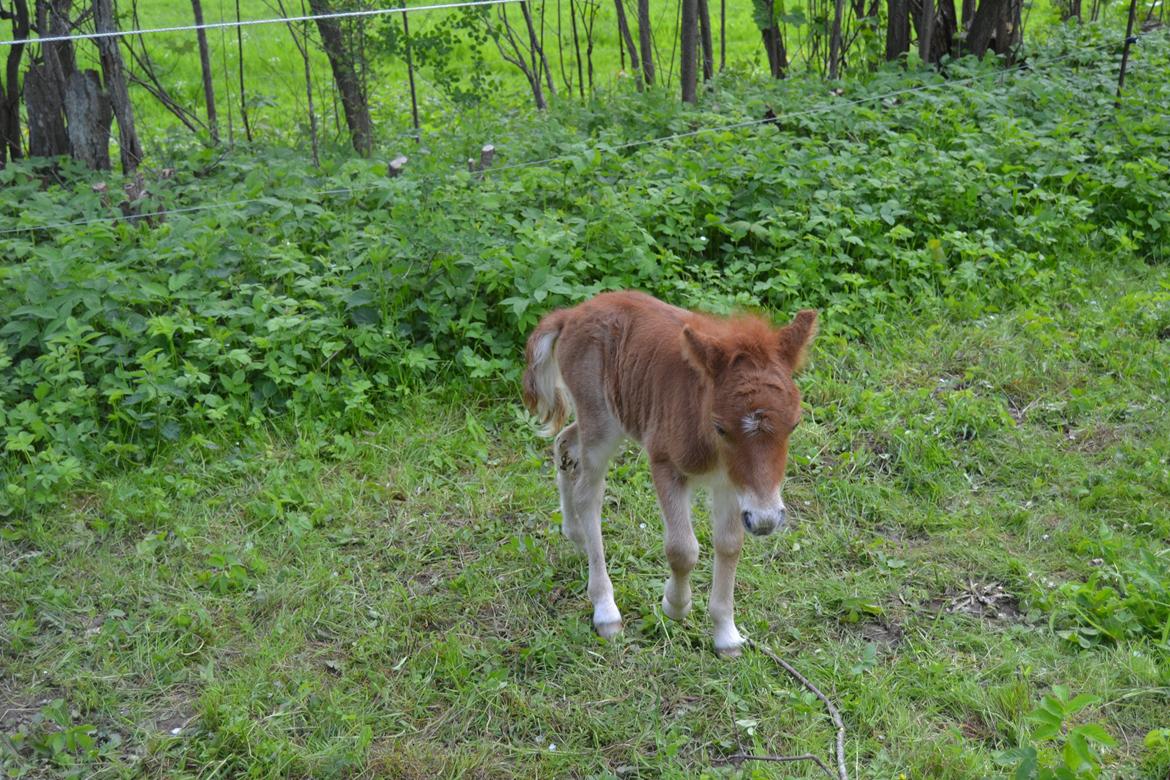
(275,74)
(400,603)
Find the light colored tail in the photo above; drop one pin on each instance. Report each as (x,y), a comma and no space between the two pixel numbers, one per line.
(545,394)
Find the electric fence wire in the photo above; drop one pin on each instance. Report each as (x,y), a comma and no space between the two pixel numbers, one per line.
(253,22)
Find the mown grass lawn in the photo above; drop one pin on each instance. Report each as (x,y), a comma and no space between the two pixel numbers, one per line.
(400,604)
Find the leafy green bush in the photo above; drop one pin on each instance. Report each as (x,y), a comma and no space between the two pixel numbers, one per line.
(317,296)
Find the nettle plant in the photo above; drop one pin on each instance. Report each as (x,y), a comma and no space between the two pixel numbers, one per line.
(1077,745)
(331,293)
(1127,596)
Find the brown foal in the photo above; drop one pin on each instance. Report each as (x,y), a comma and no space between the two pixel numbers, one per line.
(712,401)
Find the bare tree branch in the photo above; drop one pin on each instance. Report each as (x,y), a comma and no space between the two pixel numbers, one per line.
(834,713)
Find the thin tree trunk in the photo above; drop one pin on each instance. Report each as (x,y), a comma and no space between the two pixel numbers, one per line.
(44,83)
(777,55)
(1125,52)
(765,17)
(363,63)
(243,90)
(205,66)
(410,76)
(592,23)
(10,138)
(312,109)
(353,98)
(835,39)
(646,41)
(150,81)
(88,107)
(1008,32)
(537,49)
(303,49)
(115,81)
(515,54)
(44,101)
(926,31)
(577,49)
(624,32)
(566,78)
(897,29)
(227,85)
(548,74)
(689,49)
(946,30)
(722,35)
(705,40)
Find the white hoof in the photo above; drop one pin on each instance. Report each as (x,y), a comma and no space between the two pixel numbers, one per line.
(608,630)
(728,643)
(607,621)
(675,613)
(734,651)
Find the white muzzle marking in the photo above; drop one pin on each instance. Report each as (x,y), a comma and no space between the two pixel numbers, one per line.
(761,518)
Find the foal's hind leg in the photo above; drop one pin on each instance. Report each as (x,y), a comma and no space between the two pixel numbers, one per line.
(567,461)
(598,442)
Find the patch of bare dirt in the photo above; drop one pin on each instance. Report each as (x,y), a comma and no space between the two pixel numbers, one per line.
(20,708)
(975,729)
(679,705)
(1096,439)
(428,578)
(177,713)
(877,444)
(902,537)
(883,633)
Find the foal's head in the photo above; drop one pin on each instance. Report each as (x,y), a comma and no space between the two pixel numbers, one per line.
(755,405)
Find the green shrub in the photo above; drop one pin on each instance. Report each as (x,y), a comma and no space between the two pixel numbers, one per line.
(317,296)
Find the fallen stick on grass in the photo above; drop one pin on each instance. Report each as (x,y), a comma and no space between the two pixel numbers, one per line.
(842,773)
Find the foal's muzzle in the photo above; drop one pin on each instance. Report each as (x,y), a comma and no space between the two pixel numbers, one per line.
(764,523)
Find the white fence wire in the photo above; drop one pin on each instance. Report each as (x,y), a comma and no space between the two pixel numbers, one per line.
(253,22)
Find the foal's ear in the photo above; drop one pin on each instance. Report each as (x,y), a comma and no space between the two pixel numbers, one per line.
(793,339)
(704,352)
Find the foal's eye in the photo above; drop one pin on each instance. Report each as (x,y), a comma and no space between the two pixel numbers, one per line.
(719,429)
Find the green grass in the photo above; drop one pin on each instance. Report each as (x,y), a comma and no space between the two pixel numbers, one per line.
(399,603)
(271,507)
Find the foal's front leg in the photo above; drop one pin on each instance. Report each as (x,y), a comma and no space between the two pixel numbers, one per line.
(727,533)
(682,549)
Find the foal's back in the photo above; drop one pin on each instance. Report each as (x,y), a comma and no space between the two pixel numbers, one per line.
(626,347)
